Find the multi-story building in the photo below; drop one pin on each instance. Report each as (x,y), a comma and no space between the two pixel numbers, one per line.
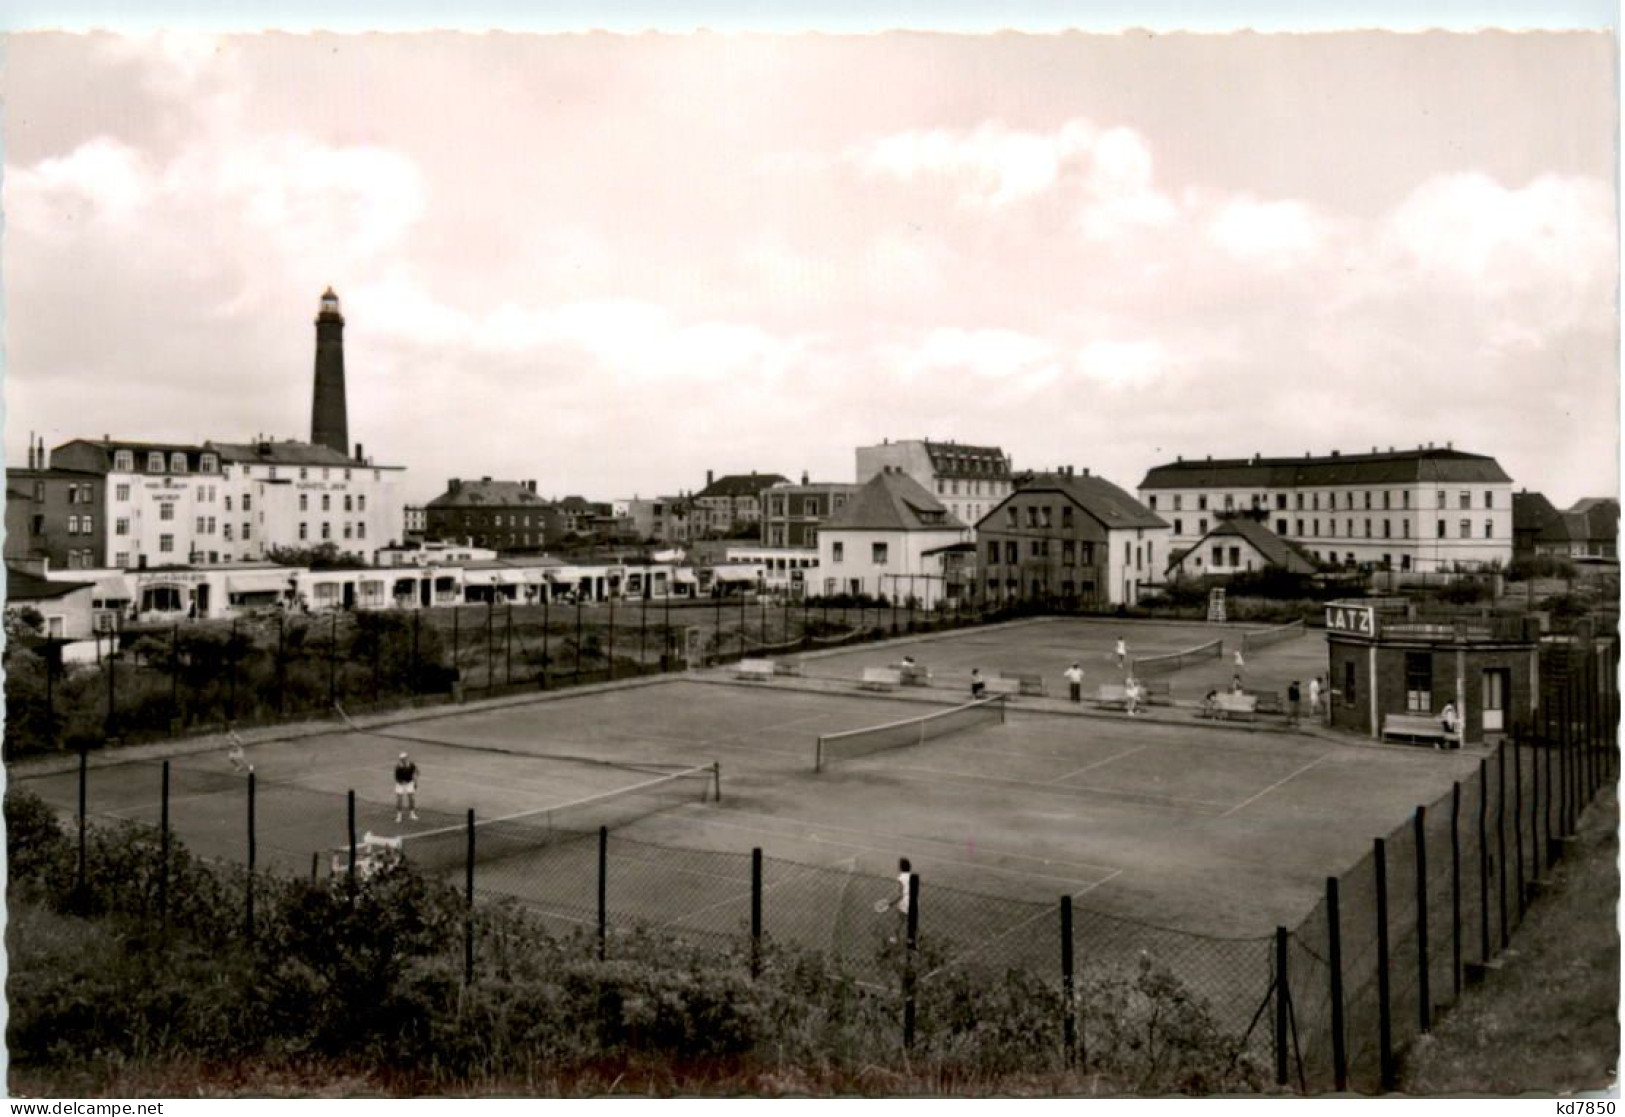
(969,480)
(1240,544)
(1593,528)
(414,522)
(162,503)
(731,504)
(54,517)
(299,494)
(791,514)
(891,540)
(1425,509)
(1071,536)
(501,515)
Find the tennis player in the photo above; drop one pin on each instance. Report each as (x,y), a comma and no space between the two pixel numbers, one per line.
(1122,651)
(235,752)
(904,869)
(406,787)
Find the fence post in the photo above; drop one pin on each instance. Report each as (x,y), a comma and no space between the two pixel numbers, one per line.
(1548,848)
(1501,839)
(112,686)
(910,950)
(1424,998)
(1069,1015)
(1385,1024)
(349,872)
(643,622)
(333,662)
(1517,815)
(610,656)
(547,615)
(603,892)
(741,623)
(315,866)
(1455,890)
(1280,1007)
(163,850)
(1334,961)
(82,883)
(468,905)
(490,635)
(578,639)
(175,672)
(507,632)
(1483,860)
(248,912)
(756,912)
(414,672)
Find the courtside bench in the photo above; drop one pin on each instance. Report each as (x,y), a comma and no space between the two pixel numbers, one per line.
(1009,688)
(786,667)
(880,678)
(1231,707)
(1111,696)
(1032,685)
(757,670)
(914,674)
(1267,701)
(1158,692)
(1419,727)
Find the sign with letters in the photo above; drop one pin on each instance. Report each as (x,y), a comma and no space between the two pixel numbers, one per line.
(1361,620)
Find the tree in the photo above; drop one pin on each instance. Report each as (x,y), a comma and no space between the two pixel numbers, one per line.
(322,556)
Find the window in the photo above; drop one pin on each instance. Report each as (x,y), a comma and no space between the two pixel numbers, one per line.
(1178,503)
(1466,529)
(1418,682)
(1235,556)
(1179,526)
(1351,530)
(121,559)
(225,532)
(210,529)
(1218,555)
(1012,552)
(1405,499)
(1315,501)
(1442,498)
(166,544)
(1037,548)
(200,522)
(327,503)
(1489,499)
(121,526)
(361,532)
(1368,500)
(207,463)
(247,531)
(1441,529)
(1201,503)
(877,554)
(1201,527)
(1466,500)
(838,552)
(1153,504)
(248,502)
(166,511)
(73,525)
(124,461)
(1069,553)
(155,462)
(1280,527)
(304,474)
(177,462)
(1229,502)
(1405,527)
(1489,529)
(993,552)
(1280,502)
(348,508)
(304,530)
(1032,515)
(1299,524)
(1387,498)
(228,502)
(1299,503)
(327,530)
(1315,526)
(346,531)
(1046,516)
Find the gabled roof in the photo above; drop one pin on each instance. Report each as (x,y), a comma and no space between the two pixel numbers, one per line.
(487,494)
(1392,468)
(1112,506)
(1534,514)
(1276,551)
(892,502)
(1593,519)
(287,452)
(23,586)
(741,484)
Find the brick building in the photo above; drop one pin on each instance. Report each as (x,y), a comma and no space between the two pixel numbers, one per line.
(792,514)
(55,517)
(731,504)
(501,515)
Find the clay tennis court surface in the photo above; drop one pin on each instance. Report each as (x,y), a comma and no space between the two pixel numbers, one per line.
(1178,823)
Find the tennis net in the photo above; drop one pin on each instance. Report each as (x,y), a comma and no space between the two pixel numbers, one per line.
(1263,638)
(1178,661)
(854,743)
(446,847)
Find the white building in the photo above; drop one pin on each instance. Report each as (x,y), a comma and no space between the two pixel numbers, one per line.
(1425,509)
(784,570)
(163,503)
(878,544)
(969,480)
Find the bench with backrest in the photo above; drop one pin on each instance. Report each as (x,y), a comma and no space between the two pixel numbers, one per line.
(914,674)
(880,678)
(1268,701)
(759,670)
(1229,706)
(1028,684)
(786,667)
(1422,727)
(1112,696)
(998,684)
(1158,692)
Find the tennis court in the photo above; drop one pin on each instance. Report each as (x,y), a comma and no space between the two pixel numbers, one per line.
(1047,647)
(1188,827)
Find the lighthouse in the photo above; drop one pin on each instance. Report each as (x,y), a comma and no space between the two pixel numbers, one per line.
(329,422)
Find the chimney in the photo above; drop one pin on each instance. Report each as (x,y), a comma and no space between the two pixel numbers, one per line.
(359,456)
(485,480)
(803,476)
(1449,445)
(1337,453)
(1086,471)
(454,486)
(708,479)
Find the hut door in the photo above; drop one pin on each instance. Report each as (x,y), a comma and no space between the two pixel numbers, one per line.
(1496,683)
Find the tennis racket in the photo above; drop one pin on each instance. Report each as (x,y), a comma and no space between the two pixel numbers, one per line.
(882,905)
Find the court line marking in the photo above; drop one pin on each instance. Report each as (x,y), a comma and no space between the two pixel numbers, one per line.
(979,866)
(1292,776)
(1098,763)
(944,776)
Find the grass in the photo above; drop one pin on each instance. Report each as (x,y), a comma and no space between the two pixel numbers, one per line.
(1547,1023)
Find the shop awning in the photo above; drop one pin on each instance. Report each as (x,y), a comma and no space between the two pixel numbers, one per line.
(257,581)
(736,574)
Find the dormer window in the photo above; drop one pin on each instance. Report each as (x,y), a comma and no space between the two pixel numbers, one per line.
(177,462)
(155,462)
(206,464)
(124,461)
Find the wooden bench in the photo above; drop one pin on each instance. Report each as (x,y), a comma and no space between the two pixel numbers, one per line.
(1111,696)
(786,667)
(1028,684)
(880,678)
(1229,706)
(760,670)
(1423,727)
(1267,701)
(1158,692)
(914,674)
(998,684)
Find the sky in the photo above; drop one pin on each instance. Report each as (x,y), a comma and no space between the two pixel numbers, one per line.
(611,263)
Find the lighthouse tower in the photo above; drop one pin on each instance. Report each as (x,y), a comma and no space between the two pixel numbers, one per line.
(329,422)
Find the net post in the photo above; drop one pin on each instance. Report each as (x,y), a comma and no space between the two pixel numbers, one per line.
(1455,890)
(1069,1016)
(1424,1003)
(603,892)
(163,850)
(82,882)
(756,913)
(911,950)
(1280,1007)
(468,905)
(1501,839)
(315,866)
(716,781)
(818,755)
(1334,963)
(248,905)
(1385,1024)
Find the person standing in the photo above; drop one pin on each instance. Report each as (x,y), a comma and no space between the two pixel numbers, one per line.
(1241,662)
(1314,697)
(1122,653)
(1293,697)
(235,752)
(1133,695)
(406,787)
(900,905)
(1074,682)
(978,688)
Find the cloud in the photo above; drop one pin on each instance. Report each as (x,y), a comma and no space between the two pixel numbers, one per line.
(991,164)
(1276,234)
(1122,363)
(100,182)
